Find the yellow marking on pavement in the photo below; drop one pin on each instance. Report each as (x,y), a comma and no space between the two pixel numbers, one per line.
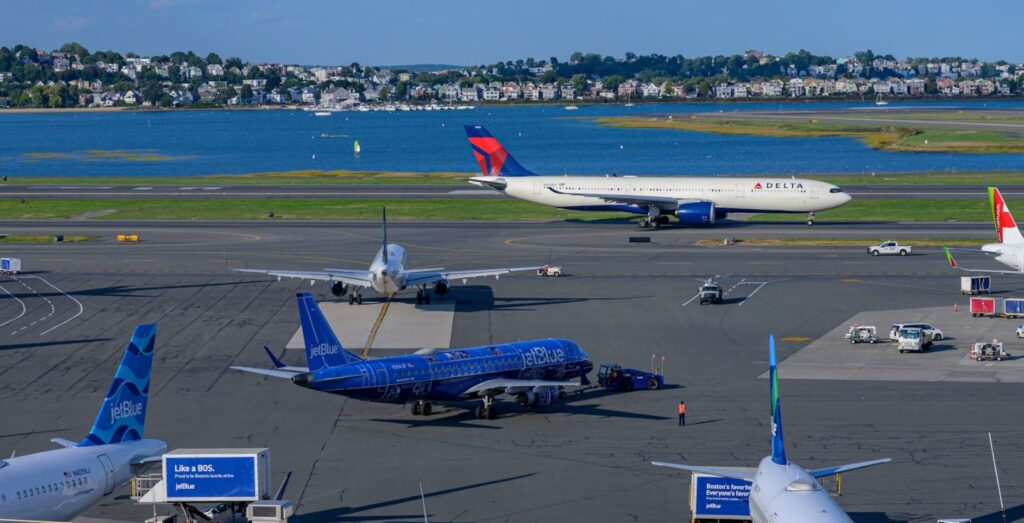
(795,338)
(850,280)
(376,326)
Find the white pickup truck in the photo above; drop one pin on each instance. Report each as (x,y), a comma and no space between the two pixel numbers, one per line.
(889,248)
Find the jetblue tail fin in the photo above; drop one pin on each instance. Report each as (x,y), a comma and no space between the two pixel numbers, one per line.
(778,448)
(322,347)
(122,416)
(494,160)
(1006,226)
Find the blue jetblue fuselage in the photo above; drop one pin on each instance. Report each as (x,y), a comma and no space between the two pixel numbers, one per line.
(446,375)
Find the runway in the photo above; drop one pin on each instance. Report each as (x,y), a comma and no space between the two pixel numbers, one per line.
(466,191)
(584,459)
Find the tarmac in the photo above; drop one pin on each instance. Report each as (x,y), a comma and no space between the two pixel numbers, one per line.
(64,325)
(454,191)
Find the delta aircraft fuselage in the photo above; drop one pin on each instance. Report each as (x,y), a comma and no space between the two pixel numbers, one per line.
(447,375)
(728,194)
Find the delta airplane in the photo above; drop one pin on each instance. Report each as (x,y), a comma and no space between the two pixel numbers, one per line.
(534,372)
(693,200)
(58,485)
(782,491)
(387,274)
(1009,246)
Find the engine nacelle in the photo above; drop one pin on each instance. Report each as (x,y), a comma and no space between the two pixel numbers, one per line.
(339,289)
(536,398)
(441,288)
(697,213)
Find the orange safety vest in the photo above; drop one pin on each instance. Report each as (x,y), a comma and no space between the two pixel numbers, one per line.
(682,408)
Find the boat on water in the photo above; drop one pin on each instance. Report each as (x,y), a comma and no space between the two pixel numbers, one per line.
(881,101)
(571,108)
(322,113)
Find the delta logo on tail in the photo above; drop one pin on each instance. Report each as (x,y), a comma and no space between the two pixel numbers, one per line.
(493,158)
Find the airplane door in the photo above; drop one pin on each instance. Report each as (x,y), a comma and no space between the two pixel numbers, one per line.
(382,378)
(741,190)
(108,473)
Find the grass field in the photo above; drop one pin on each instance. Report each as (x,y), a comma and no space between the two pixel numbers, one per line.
(19,239)
(444,210)
(438,210)
(902,137)
(267,178)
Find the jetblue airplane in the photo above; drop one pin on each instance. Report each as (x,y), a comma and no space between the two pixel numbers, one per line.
(782,491)
(387,274)
(693,200)
(534,372)
(1009,246)
(61,484)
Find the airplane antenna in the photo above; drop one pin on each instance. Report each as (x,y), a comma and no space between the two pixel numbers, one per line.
(999,489)
(423,501)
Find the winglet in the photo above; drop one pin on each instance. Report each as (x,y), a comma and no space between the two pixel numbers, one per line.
(277,362)
(950,258)
(778,448)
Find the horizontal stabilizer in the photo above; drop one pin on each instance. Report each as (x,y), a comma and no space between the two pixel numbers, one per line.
(63,442)
(724,473)
(846,468)
(273,373)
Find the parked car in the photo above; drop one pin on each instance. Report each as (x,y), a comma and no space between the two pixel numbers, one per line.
(889,248)
(930,333)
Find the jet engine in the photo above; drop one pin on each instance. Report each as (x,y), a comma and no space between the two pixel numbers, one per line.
(339,289)
(697,213)
(441,288)
(537,397)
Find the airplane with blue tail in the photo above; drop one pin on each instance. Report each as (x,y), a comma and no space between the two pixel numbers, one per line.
(534,372)
(58,485)
(693,200)
(782,491)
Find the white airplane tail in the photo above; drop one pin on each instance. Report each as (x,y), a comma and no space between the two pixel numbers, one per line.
(1006,226)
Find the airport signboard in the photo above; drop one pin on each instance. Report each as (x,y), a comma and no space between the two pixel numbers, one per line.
(212,477)
(719,498)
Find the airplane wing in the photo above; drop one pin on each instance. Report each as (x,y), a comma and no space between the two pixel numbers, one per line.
(348,277)
(427,276)
(846,468)
(507,386)
(273,373)
(725,473)
(955,265)
(624,198)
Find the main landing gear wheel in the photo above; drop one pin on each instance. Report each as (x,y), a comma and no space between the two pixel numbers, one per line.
(421,408)
(423,296)
(488,410)
(355,298)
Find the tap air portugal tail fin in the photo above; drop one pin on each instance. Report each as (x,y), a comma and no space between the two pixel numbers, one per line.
(122,416)
(1006,226)
(493,158)
(322,347)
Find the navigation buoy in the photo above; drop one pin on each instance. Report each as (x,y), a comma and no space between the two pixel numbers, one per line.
(355,147)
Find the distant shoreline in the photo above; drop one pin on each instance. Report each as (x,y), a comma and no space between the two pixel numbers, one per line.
(531,103)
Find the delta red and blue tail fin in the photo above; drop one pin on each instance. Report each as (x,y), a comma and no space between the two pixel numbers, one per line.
(322,347)
(778,448)
(493,158)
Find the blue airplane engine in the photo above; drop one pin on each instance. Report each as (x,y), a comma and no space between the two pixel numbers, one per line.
(697,213)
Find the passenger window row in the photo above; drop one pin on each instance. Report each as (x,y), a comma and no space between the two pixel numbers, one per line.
(45,489)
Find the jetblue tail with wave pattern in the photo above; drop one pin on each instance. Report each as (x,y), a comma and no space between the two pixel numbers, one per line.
(58,485)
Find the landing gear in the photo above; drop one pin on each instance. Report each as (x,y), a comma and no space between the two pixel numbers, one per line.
(355,297)
(656,221)
(810,218)
(421,408)
(488,410)
(423,296)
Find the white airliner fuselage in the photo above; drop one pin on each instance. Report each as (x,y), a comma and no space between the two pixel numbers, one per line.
(388,277)
(788,494)
(61,484)
(727,194)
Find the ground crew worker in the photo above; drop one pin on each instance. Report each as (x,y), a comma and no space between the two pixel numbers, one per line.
(682,413)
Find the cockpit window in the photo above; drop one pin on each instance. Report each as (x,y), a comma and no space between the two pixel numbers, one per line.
(835,190)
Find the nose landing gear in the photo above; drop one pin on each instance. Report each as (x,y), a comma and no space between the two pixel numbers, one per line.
(810,218)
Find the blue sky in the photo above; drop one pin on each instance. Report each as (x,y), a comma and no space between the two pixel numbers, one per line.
(390,32)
